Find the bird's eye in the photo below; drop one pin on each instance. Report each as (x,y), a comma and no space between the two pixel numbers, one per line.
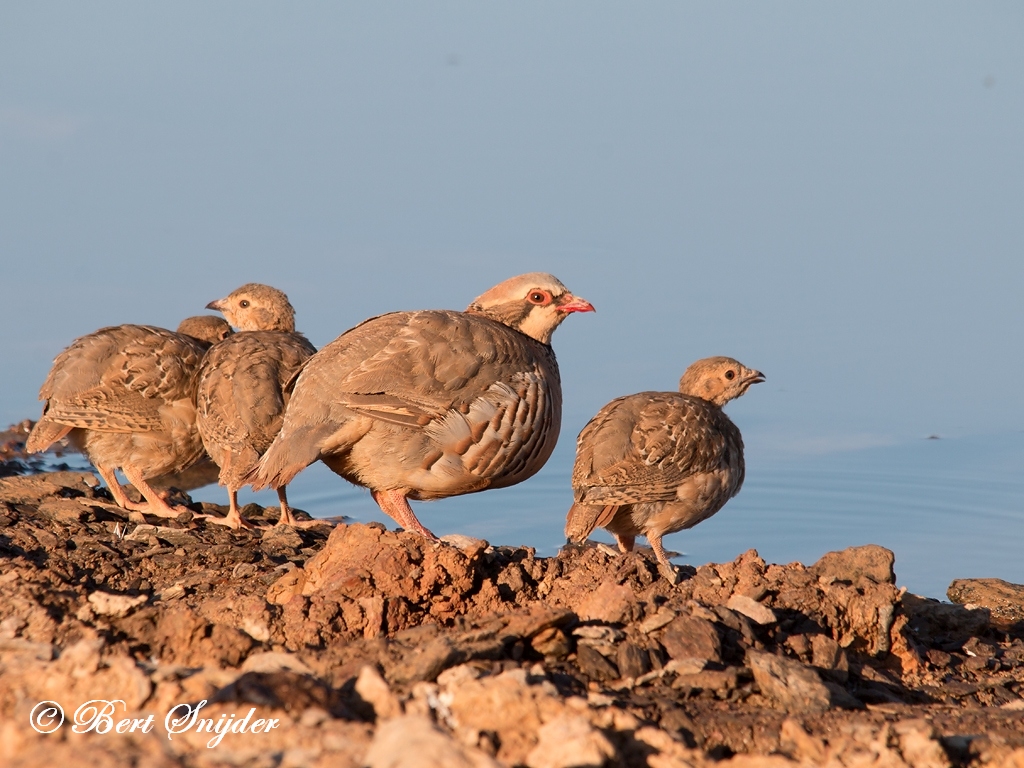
(730,375)
(243,303)
(539,297)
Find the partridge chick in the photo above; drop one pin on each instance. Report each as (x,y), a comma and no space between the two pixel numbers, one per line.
(207,328)
(124,397)
(430,404)
(659,462)
(241,395)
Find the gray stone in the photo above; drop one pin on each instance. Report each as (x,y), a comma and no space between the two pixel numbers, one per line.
(173,536)
(281,539)
(827,655)
(690,637)
(424,663)
(469,546)
(632,660)
(1003,599)
(871,562)
(594,665)
(752,609)
(570,742)
(412,741)
(795,686)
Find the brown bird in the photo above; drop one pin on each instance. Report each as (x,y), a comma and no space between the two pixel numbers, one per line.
(123,395)
(426,405)
(659,462)
(240,398)
(207,328)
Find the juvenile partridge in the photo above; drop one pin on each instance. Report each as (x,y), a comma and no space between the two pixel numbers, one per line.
(655,463)
(241,395)
(124,396)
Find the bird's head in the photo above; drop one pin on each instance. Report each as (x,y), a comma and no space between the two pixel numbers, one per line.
(256,307)
(534,304)
(718,379)
(206,328)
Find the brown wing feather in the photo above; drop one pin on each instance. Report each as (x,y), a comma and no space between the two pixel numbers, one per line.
(116,378)
(477,398)
(642,447)
(414,367)
(240,398)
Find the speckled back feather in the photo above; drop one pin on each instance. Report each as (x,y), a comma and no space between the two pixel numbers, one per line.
(241,397)
(117,378)
(641,447)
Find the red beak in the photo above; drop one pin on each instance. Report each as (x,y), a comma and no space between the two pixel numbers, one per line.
(570,303)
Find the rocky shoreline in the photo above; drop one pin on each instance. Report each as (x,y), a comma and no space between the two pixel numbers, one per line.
(364,646)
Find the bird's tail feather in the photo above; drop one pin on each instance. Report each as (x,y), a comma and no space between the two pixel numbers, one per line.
(44,434)
(286,457)
(582,519)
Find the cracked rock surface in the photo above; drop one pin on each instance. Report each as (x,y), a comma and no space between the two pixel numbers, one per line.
(370,647)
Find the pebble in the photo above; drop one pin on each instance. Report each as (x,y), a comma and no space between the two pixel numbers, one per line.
(752,609)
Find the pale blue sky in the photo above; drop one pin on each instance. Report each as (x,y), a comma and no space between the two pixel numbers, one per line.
(832,193)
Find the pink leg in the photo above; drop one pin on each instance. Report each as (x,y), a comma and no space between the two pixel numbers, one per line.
(396,506)
(659,550)
(154,504)
(287,518)
(625,541)
(120,497)
(664,566)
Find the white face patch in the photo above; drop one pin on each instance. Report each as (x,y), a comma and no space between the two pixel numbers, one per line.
(541,322)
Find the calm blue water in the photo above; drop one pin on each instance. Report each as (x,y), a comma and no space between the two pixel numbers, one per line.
(947,508)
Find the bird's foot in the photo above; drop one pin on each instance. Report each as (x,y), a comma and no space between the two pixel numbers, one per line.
(665,568)
(287,518)
(425,532)
(396,506)
(421,530)
(162,510)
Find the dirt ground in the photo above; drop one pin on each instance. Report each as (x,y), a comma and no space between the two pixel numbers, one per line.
(352,645)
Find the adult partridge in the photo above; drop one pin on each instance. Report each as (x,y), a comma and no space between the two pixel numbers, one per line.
(431,404)
(124,396)
(240,397)
(655,463)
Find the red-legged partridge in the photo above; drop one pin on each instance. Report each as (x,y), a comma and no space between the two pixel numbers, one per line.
(241,395)
(124,396)
(655,463)
(431,404)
